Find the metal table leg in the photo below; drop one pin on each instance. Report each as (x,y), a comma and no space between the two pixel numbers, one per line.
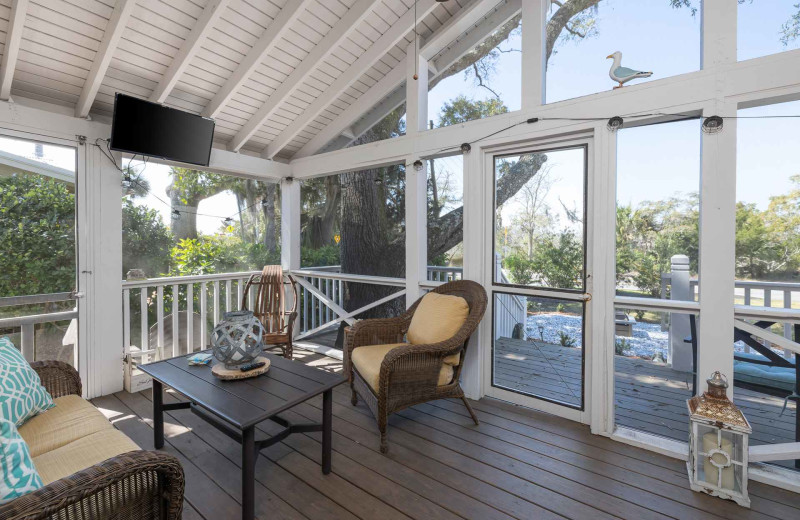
(249,455)
(158,414)
(327,427)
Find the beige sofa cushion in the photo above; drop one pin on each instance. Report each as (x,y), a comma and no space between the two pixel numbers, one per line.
(81,454)
(367,360)
(71,418)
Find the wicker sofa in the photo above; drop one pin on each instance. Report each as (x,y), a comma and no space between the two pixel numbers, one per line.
(89,469)
(390,373)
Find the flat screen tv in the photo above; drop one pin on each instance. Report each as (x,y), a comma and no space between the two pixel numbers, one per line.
(144,128)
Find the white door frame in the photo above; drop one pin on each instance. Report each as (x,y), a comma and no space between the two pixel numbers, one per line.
(80,228)
(487,341)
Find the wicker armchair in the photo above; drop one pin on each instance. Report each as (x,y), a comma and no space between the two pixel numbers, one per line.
(410,373)
(270,306)
(135,485)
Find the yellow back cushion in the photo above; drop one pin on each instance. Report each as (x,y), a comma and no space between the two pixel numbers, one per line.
(437,318)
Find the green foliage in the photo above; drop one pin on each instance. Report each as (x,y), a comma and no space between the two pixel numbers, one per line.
(791,29)
(557,262)
(649,235)
(565,340)
(622,346)
(326,255)
(461,110)
(146,241)
(37,235)
(206,255)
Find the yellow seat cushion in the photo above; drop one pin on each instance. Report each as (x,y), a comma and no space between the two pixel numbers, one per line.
(367,360)
(71,418)
(81,454)
(437,318)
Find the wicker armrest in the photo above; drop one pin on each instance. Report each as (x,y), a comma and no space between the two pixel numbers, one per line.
(138,484)
(377,332)
(58,378)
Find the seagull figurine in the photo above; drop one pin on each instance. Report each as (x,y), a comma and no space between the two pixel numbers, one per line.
(622,74)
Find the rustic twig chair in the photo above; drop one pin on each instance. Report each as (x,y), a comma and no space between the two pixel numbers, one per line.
(390,374)
(270,306)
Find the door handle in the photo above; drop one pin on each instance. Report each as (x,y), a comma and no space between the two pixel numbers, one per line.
(74,295)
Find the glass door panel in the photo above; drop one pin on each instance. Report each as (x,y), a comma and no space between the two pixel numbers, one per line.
(539,277)
(38,248)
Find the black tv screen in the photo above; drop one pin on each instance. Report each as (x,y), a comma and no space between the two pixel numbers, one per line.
(144,128)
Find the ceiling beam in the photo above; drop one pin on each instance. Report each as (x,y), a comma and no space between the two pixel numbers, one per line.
(387,94)
(16,23)
(113,33)
(271,36)
(375,52)
(352,18)
(191,45)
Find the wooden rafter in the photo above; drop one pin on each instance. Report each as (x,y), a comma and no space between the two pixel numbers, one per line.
(375,52)
(354,16)
(271,36)
(16,23)
(190,46)
(113,33)
(386,95)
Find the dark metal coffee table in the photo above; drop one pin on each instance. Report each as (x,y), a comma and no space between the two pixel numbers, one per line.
(237,407)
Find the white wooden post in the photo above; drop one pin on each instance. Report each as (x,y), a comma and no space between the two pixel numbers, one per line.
(718,35)
(717,247)
(290,224)
(680,353)
(717,204)
(534,18)
(475,269)
(416,179)
(100,258)
(416,92)
(599,393)
(290,228)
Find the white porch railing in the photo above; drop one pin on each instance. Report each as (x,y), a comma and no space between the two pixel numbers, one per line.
(173,316)
(168,317)
(26,324)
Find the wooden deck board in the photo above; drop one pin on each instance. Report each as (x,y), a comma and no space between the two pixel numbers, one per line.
(517,464)
(649,396)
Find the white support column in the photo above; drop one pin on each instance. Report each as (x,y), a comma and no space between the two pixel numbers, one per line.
(100,258)
(290,224)
(717,248)
(534,19)
(718,34)
(416,91)
(416,179)
(601,285)
(416,228)
(475,268)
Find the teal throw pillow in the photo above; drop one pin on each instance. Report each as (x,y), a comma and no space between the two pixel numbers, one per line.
(22,395)
(18,473)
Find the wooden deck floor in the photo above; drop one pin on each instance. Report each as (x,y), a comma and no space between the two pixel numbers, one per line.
(650,397)
(516,464)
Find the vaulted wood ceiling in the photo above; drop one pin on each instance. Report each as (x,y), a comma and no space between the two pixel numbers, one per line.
(273,73)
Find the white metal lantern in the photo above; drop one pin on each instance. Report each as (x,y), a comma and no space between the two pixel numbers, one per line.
(718,444)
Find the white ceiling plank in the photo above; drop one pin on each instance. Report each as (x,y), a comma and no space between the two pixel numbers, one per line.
(191,45)
(386,95)
(272,35)
(16,24)
(354,16)
(113,33)
(375,52)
